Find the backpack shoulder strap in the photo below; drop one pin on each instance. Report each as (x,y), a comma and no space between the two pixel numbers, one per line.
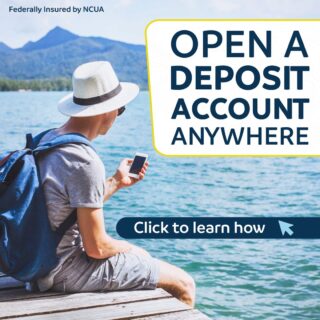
(58,141)
(61,140)
(67,223)
(32,142)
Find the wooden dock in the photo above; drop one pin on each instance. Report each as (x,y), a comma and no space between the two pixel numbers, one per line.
(17,303)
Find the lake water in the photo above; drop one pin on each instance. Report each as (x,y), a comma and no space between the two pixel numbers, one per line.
(236,279)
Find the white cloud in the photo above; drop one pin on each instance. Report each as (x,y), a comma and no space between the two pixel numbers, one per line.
(255,8)
(225,6)
(126,19)
(124,3)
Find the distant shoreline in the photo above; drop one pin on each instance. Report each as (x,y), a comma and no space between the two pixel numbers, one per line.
(57,84)
(36,85)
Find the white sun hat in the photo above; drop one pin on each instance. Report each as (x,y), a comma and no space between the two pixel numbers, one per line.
(96,90)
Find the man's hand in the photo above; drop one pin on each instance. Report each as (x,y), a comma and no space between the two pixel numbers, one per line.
(122,174)
(121,178)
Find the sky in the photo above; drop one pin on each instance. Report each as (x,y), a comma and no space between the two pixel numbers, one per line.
(126,20)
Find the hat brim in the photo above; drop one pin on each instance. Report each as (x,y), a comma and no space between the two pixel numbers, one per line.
(128,92)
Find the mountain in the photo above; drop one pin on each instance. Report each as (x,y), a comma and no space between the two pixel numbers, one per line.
(59,52)
(53,38)
(4,47)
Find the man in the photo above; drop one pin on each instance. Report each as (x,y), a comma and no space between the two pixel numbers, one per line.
(73,177)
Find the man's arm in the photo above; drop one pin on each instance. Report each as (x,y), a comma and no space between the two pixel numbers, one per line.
(112,186)
(97,243)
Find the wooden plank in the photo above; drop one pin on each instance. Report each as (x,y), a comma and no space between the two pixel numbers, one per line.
(181,315)
(75,301)
(8,282)
(117,312)
(22,294)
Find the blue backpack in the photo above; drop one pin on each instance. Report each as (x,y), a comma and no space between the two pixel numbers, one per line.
(27,242)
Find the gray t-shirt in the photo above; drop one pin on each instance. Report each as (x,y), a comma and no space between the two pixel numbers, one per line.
(72,176)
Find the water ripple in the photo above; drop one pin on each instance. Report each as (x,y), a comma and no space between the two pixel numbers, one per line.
(236,279)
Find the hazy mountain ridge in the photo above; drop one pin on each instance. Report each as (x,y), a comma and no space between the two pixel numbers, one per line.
(59,52)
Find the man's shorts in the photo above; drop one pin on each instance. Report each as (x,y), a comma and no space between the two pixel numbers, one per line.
(124,271)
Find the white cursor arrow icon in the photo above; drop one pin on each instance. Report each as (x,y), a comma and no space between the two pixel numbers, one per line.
(285,227)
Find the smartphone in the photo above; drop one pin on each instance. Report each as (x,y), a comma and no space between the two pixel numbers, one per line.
(137,164)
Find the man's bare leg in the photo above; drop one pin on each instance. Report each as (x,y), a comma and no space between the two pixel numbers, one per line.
(177,282)
(173,279)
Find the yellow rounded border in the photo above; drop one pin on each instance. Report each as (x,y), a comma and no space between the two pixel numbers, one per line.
(217,155)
